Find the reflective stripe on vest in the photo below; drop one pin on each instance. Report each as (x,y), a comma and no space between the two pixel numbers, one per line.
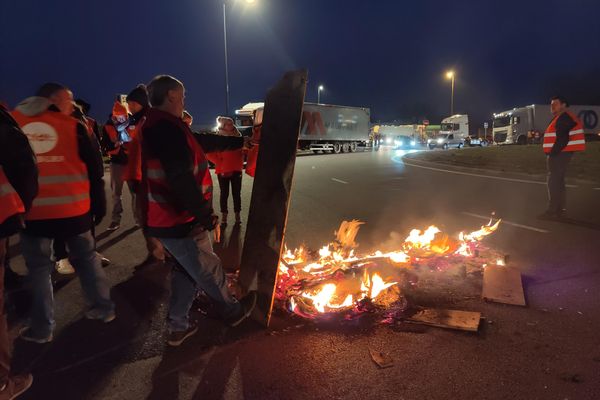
(576,136)
(64,189)
(10,202)
(164,211)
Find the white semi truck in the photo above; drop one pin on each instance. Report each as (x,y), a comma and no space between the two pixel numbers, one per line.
(324,127)
(514,126)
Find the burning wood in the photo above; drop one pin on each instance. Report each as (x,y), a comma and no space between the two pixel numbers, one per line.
(335,279)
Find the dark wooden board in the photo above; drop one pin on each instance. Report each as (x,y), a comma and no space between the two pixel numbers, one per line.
(271,190)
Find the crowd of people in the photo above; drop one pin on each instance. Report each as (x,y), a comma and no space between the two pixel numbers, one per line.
(52,195)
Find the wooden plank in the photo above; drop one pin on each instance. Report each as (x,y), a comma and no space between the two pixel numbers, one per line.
(269,204)
(502,284)
(382,360)
(450,319)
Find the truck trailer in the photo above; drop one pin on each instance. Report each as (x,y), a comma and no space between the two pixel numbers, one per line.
(325,127)
(519,125)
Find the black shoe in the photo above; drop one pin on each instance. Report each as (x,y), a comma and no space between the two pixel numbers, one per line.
(178,337)
(248,303)
(15,386)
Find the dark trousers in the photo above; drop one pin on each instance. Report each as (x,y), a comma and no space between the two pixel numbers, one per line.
(557,171)
(235,180)
(59,247)
(4,346)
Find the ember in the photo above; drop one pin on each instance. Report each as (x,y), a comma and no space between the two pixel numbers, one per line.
(335,279)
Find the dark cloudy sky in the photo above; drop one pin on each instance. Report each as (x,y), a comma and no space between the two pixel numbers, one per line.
(383,54)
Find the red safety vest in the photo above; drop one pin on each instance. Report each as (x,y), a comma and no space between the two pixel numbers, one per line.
(576,135)
(64,187)
(228,161)
(10,202)
(133,172)
(163,210)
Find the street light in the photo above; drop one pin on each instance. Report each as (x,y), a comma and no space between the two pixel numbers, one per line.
(225,48)
(319,89)
(450,75)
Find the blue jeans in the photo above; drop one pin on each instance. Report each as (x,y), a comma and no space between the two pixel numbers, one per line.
(39,259)
(196,256)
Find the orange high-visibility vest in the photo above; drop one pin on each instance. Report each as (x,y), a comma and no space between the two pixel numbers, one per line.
(228,161)
(576,135)
(10,202)
(64,187)
(163,210)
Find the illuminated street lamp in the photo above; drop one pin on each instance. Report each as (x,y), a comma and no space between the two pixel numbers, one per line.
(319,90)
(226,62)
(450,75)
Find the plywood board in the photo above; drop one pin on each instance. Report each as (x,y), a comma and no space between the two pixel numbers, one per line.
(271,190)
(450,319)
(502,284)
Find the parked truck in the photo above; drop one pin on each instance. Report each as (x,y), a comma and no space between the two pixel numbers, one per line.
(325,127)
(523,125)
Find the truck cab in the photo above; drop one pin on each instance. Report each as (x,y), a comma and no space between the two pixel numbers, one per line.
(517,126)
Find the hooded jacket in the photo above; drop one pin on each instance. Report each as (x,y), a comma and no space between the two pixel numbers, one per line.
(91,157)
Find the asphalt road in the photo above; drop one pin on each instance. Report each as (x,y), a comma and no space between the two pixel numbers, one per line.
(547,350)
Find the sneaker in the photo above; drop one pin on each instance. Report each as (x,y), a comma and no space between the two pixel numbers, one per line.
(64,267)
(105,261)
(100,315)
(248,303)
(15,386)
(28,336)
(113,226)
(178,337)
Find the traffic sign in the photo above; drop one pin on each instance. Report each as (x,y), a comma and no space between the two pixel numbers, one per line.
(425,122)
(485,125)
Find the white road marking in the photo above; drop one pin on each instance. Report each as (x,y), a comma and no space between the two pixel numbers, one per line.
(481,175)
(596,188)
(531,228)
(339,180)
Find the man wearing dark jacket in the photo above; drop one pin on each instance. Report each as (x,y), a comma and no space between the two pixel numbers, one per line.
(563,137)
(179,210)
(18,188)
(71,196)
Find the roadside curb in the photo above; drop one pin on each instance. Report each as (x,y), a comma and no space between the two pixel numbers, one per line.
(412,159)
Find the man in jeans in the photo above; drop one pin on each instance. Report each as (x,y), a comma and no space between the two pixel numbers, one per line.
(563,137)
(71,196)
(179,210)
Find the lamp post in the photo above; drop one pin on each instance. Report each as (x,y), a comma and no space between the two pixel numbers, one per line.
(450,75)
(225,51)
(319,89)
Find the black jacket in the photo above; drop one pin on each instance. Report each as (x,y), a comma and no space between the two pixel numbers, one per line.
(164,138)
(18,161)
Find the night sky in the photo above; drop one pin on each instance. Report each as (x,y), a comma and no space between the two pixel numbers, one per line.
(388,55)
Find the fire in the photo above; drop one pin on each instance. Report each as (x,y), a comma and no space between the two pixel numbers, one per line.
(335,278)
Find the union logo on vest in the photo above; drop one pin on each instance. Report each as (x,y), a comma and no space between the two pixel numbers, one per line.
(42,137)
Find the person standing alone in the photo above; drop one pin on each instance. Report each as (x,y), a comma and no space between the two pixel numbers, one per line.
(564,136)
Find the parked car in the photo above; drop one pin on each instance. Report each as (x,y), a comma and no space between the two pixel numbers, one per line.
(446,140)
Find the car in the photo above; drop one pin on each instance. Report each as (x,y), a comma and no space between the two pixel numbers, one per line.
(445,140)
(404,142)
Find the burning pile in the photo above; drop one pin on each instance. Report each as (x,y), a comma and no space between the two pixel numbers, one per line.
(336,279)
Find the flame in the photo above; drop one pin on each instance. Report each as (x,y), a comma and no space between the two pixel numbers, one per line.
(329,280)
